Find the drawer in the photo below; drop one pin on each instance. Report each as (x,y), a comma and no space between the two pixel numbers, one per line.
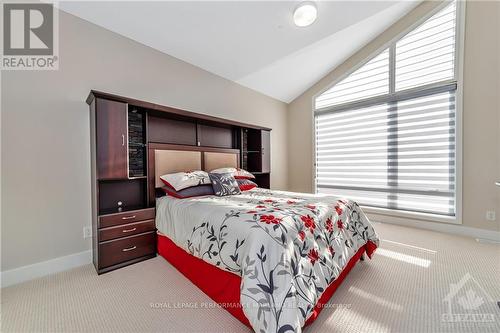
(124,230)
(126,217)
(128,248)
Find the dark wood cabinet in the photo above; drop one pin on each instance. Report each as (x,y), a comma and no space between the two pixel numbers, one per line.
(111,132)
(124,238)
(119,186)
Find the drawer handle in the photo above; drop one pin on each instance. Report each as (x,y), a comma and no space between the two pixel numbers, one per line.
(128,217)
(129,248)
(129,230)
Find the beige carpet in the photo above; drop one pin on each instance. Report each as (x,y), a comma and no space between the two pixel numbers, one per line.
(401,290)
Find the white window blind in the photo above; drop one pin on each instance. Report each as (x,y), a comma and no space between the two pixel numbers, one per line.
(396,148)
(397,155)
(427,54)
(370,80)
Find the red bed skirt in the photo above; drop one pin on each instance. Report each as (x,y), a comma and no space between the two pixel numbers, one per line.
(224,287)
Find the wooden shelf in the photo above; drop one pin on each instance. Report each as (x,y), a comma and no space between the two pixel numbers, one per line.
(124,209)
(255,154)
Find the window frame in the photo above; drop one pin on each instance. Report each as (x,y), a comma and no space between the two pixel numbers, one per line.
(393,95)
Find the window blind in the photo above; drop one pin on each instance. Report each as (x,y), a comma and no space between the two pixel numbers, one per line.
(427,54)
(398,155)
(386,145)
(370,80)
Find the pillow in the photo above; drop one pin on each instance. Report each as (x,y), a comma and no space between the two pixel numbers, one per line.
(224,184)
(194,191)
(236,172)
(245,184)
(182,180)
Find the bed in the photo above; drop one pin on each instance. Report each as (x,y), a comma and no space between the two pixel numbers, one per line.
(271,258)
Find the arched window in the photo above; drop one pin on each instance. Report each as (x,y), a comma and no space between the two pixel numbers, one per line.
(386,133)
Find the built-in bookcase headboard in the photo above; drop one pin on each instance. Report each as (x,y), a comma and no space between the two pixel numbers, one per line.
(125,132)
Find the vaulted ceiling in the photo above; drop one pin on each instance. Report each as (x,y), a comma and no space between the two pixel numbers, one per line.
(253,43)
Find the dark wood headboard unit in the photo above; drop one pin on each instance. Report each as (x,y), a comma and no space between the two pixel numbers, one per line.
(124,128)
(125,135)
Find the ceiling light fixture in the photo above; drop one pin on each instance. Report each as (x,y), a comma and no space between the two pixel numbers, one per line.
(305,14)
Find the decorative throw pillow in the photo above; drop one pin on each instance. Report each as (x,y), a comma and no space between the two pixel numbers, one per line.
(246,184)
(224,184)
(182,180)
(194,191)
(236,172)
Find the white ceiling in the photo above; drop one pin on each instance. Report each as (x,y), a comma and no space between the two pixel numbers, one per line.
(253,43)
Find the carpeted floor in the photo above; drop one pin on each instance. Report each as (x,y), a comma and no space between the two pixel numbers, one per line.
(403,289)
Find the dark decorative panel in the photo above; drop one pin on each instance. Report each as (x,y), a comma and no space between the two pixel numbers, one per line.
(165,130)
(244,142)
(213,136)
(136,143)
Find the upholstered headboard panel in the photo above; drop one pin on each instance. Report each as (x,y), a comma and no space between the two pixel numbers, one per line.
(170,161)
(213,160)
(165,158)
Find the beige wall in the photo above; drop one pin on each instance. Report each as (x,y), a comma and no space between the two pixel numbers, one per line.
(481,114)
(481,142)
(45,131)
(45,178)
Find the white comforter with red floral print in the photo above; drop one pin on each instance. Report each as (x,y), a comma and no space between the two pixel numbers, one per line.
(287,247)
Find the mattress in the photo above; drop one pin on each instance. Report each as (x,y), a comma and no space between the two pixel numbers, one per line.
(287,249)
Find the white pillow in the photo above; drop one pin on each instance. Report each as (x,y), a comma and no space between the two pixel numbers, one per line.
(235,172)
(182,180)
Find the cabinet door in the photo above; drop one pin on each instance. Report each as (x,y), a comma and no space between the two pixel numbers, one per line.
(266,151)
(164,130)
(111,139)
(213,136)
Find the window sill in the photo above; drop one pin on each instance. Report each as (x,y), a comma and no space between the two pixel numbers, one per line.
(380,213)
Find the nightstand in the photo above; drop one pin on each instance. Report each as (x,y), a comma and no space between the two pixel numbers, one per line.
(124,238)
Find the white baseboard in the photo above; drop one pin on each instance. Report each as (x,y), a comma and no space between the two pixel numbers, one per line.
(483,235)
(29,272)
